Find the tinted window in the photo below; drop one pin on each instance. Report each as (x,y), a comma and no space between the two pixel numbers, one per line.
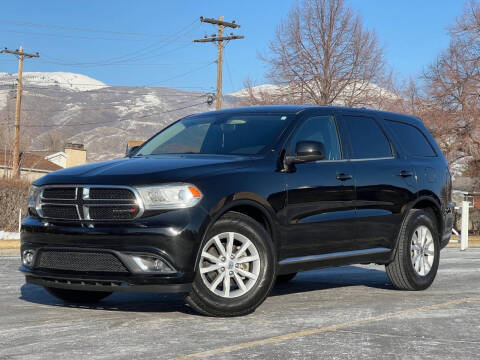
(368,140)
(246,134)
(322,129)
(411,139)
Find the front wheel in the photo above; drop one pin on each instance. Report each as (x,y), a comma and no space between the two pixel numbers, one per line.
(77,296)
(236,269)
(417,255)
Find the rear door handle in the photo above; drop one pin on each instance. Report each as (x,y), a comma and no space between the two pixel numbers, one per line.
(405,173)
(344,177)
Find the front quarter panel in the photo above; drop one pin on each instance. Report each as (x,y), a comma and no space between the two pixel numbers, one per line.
(260,185)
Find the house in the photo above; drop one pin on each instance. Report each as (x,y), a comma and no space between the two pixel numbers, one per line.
(73,155)
(34,165)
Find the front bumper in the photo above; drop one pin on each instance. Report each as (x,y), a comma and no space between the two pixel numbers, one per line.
(172,237)
(108,283)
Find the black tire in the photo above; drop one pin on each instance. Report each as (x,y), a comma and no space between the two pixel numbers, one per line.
(206,302)
(77,296)
(282,279)
(401,271)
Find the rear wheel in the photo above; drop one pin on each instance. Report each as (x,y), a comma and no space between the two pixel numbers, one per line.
(282,279)
(236,269)
(77,296)
(417,255)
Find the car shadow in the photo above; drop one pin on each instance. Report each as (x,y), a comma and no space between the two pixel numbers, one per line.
(314,280)
(336,277)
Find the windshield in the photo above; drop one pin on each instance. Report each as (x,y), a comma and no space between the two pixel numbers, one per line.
(226,134)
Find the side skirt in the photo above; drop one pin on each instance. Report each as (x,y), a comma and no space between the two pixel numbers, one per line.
(296,264)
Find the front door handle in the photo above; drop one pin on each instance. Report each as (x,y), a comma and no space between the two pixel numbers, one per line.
(405,174)
(344,177)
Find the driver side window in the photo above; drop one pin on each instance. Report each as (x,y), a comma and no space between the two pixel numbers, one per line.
(321,129)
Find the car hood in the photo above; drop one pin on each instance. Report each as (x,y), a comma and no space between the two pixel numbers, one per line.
(146,170)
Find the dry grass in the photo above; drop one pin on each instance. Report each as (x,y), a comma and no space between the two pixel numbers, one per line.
(13,197)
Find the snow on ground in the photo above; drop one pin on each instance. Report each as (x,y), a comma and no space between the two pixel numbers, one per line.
(64,80)
(5,235)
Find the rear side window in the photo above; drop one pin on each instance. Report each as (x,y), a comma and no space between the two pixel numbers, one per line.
(412,139)
(368,140)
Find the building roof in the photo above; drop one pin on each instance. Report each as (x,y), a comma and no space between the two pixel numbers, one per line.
(51,156)
(29,161)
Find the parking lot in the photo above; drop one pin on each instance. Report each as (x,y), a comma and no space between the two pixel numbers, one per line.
(343,313)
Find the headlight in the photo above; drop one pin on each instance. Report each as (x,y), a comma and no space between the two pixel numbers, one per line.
(174,196)
(33,198)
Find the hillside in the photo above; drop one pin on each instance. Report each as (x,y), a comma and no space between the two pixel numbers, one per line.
(67,107)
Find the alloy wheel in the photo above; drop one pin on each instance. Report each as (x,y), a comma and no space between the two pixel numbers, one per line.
(422,250)
(229,264)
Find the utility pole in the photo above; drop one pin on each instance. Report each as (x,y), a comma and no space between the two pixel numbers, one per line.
(16,142)
(219,39)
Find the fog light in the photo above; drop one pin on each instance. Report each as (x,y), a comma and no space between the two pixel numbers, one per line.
(28,257)
(152,264)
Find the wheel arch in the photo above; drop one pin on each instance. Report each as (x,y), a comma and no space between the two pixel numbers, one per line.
(430,205)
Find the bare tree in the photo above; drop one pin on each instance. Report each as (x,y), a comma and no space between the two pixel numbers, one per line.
(453,84)
(322,54)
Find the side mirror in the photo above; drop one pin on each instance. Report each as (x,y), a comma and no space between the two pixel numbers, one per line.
(131,151)
(307,151)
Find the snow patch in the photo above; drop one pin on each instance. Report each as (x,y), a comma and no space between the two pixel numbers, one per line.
(265,88)
(6,235)
(64,80)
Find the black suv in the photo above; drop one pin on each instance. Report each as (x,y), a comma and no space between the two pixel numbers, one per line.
(218,206)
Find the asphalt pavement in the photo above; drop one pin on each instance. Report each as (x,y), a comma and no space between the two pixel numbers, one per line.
(348,312)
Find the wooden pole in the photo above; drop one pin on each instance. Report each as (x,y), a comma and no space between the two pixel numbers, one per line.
(16,141)
(219,39)
(219,65)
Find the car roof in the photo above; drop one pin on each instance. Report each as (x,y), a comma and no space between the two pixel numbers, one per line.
(297,109)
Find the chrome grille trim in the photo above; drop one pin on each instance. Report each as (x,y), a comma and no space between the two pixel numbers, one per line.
(83,202)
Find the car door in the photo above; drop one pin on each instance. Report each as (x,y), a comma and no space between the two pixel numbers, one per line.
(320,195)
(384,181)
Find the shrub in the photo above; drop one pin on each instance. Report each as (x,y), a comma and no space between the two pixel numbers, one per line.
(13,197)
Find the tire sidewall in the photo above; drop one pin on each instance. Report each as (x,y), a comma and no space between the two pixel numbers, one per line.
(258,236)
(418,219)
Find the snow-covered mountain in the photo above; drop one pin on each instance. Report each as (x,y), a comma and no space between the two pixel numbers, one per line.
(62,80)
(264,88)
(284,93)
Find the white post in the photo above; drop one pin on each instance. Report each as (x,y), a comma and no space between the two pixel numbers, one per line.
(464,233)
(19,219)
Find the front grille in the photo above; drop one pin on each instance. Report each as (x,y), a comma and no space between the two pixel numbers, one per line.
(89,203)
(59,193)
(111,194)
(80,261)
(113,212)
(68,212)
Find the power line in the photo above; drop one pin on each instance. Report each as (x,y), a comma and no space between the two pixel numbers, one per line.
(139,54)
(118,120)
(105,107)
(62,27)
(104,86)
(34,33)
